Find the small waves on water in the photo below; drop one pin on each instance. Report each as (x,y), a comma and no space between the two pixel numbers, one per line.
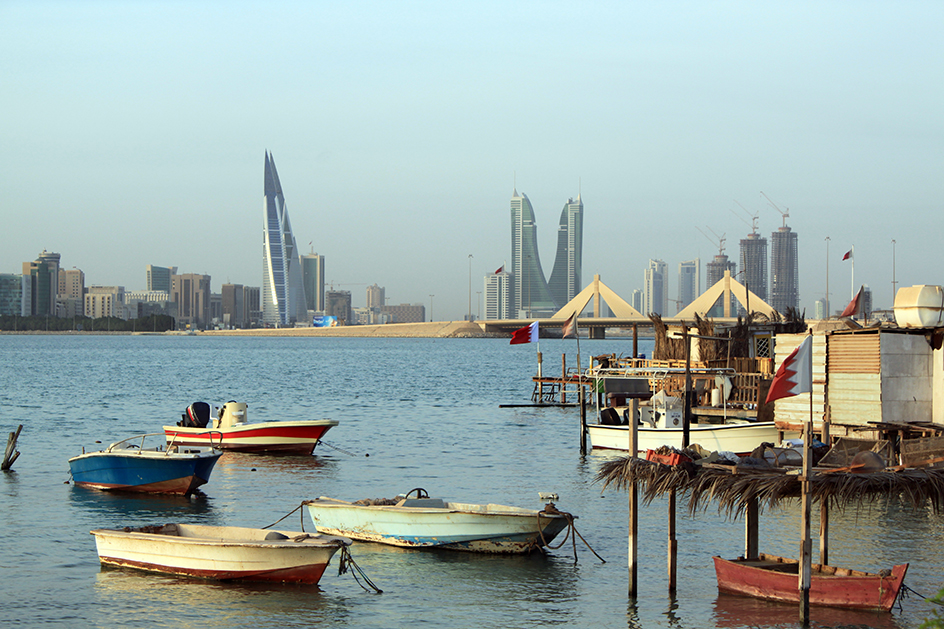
(413,413)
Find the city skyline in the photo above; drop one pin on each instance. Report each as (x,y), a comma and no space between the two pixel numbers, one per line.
(401,129)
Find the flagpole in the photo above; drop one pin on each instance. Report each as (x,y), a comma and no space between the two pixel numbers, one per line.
(853,272)
(806,542)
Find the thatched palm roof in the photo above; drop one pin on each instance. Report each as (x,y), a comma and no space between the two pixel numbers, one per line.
(735,488)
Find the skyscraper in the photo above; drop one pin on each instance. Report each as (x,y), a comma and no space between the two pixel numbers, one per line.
(715,273)
(313,278)
(158,277)
(283,295)
(565,276)
(754,264)
(784,279)
(498,296)
(655,295)
(531,296)
(689,282)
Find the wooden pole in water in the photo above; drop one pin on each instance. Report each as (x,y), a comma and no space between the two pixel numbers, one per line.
(582,401)
(633,501)
(11,453)
(673,544)
(563,392)
(806,543)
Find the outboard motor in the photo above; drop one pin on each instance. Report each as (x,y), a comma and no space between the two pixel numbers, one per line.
(232,414)
(197,416)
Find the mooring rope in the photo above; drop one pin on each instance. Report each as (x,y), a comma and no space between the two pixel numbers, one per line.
(301,518)
(906,589)
(572,533)
(323,442)
(348,562)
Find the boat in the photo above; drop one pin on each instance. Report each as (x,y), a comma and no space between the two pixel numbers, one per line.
(775,578)
(237,434)
(128,465)
(423,522)
(224,553)
(660,424)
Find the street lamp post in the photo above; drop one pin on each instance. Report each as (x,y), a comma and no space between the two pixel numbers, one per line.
(431,308)
(894,283)
(470,288)
(827,277)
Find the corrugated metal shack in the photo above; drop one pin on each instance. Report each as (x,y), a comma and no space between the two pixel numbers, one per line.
(878,384)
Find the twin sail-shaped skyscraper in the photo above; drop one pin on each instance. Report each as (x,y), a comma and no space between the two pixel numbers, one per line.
(531,294)
(283,293)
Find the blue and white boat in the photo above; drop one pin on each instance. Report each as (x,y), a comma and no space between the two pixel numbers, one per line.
(128,465)
(424,522)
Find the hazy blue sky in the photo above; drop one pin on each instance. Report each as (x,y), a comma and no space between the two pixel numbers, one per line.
(134,133)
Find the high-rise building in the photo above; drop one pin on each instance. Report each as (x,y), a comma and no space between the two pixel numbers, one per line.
(313,274)
(338,304)
(498,296)
(821,309)
(158,277)
(531,296)
(866,301)
(42,283)
(565,276)
(637,300)
(655,295)
(235,314)
(191,292)
(375,297)
(13,293)
(689,282)
(754,264)
(105,301)
(405,313)
(283,295)
(715,273)
(784,276)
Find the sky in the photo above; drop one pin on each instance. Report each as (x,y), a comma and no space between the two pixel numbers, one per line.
(134,133)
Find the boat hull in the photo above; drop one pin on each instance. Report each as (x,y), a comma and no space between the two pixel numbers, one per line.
(466,527)
(738,438)
(220,553)
(299,437)
(776,579)
(143,471)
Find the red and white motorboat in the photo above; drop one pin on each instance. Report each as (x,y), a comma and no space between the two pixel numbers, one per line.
(238,435)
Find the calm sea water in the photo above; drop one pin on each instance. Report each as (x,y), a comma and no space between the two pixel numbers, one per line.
(413,413)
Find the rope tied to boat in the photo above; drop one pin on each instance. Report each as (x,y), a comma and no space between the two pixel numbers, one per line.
(301,517)
(905,590)
(347,562)
(572,533)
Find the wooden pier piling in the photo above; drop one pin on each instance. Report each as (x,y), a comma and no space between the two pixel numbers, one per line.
(11,453)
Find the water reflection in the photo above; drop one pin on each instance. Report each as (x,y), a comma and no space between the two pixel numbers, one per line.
(744,611)
(121,594)
(133,507)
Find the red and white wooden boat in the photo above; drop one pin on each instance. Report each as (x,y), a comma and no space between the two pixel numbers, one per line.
(220,552)
(777,579)
(232,431)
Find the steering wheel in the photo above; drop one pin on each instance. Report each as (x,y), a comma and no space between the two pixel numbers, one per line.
(420,493)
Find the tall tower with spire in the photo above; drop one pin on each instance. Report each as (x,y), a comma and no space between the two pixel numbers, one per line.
(283,294)
(565,276)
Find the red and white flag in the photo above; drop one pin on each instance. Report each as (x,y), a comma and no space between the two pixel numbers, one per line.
(848,255)
(855,306)
(500,269)
(570,327)
(795,374)
(527,334)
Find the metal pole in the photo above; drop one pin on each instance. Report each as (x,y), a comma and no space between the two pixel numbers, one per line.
(894,283)
(827,277)
(470,287)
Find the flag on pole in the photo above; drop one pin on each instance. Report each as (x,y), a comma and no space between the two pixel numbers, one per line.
(527,334)
(500,269)
(855,306)
(570,327)
(795,374)
(848,255)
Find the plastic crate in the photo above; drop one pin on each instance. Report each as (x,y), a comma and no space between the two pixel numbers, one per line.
(666,459)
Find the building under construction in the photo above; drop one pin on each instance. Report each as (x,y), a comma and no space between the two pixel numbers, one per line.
(784,277)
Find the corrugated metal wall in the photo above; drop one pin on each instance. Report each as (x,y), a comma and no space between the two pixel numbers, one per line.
(855,378)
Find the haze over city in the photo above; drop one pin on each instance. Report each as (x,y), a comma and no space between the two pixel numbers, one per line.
(135,134)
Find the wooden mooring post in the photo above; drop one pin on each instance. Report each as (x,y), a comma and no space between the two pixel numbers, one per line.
(11,453)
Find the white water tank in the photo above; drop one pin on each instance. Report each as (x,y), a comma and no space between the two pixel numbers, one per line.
(920,306)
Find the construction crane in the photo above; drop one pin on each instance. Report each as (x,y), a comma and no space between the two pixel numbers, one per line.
(784,212)
(331,284)
(717,240)
(753,216)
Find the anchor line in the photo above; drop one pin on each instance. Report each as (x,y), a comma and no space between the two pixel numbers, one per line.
(572,534)
(322,441)
(301,514)
(347,562)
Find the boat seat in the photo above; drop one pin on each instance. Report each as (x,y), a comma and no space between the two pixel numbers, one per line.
(426,503)
(272,536)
